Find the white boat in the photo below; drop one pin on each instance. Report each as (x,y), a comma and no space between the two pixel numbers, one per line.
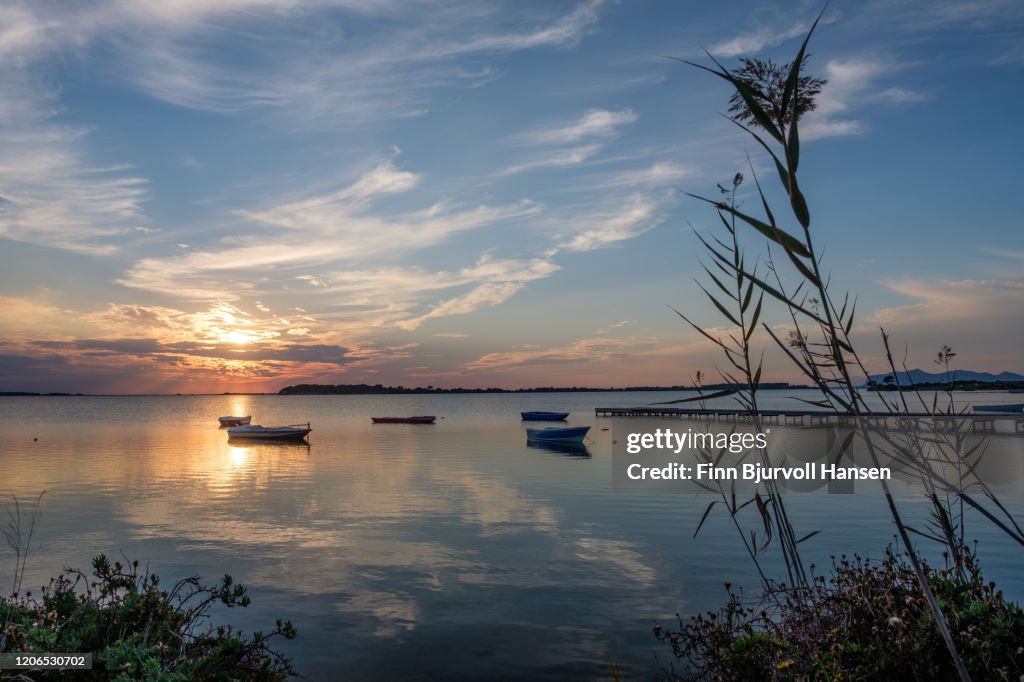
(234,421)
(257,432)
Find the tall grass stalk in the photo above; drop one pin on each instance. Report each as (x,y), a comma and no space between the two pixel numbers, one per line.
(735,298)
(18,534)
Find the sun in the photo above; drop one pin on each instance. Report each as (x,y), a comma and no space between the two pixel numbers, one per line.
(237,337)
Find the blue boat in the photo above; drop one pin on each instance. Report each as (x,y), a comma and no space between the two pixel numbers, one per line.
(544,416)
(1009,407)
(558,434)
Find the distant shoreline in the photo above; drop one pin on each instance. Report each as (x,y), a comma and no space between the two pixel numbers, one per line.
(366,389)
(378,389)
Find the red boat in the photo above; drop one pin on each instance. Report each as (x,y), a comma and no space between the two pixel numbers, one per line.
(403,420)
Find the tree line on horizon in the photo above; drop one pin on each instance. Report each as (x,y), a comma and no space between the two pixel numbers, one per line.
(367,389)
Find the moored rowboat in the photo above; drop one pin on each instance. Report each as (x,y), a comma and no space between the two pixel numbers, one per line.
(544,416)
(234,421)
(257,432)
(425,419)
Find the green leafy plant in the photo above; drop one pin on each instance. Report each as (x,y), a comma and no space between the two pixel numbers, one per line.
(136,630)
(864,621)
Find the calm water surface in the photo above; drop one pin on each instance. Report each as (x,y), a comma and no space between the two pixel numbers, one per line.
(449,551)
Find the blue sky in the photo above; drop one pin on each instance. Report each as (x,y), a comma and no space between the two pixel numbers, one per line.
(241,194)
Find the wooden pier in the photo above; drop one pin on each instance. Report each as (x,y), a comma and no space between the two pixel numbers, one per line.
(980,423)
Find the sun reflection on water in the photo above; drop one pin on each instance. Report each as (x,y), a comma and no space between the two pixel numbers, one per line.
(240,406)
(239,457)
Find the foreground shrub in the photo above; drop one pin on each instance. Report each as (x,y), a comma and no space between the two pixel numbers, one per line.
(137,631)
(867,621)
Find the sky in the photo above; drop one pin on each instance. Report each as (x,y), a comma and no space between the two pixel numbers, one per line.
(239,195)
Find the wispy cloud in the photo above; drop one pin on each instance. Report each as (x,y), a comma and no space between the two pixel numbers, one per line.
(983,319)
(583,350)
(764,36)
(929,15)
(637,214)
(324,241)
(484,295)
(998,301)
(850,87)
(571,143)
(566,30)
(51,191)
(600,354)
(903,95)
(312,280)
(501,280)
(658,175)
(328,75)
(38,316)
(612,327)
(1013,56)
(286,240)
(756,40)
(406,297)
(558,158)
(596,123)
(1006,253)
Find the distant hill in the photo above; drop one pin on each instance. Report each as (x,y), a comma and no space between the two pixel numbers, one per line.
(919,376)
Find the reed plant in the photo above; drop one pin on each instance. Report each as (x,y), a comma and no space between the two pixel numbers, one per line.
(737,299)
(767,104)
